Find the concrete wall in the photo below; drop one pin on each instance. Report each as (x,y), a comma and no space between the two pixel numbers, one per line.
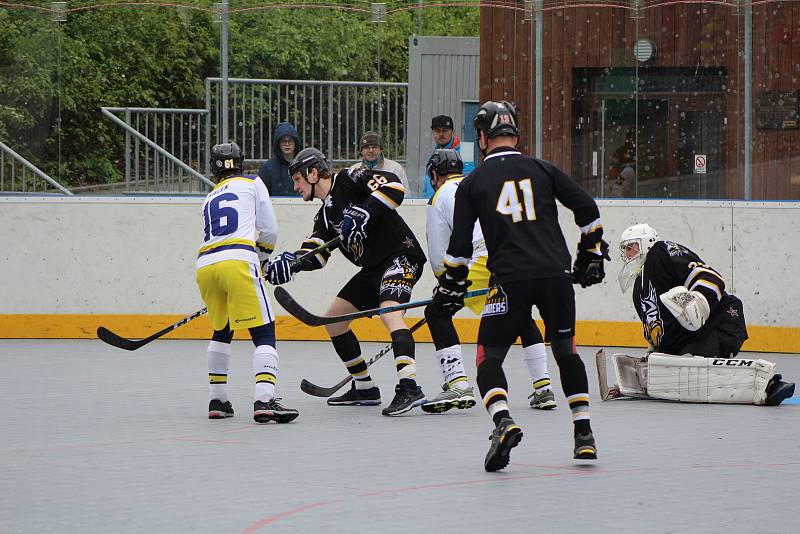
(135,255)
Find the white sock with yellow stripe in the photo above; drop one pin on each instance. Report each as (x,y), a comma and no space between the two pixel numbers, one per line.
(219,356)
(265,369)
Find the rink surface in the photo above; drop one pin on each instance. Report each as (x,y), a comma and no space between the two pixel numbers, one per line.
(96,439)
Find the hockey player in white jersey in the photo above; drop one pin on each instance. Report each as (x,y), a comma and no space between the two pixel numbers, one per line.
(445,169)
(694,328)
(240,232)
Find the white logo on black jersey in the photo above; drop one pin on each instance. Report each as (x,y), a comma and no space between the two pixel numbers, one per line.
(674,249)
(653,326)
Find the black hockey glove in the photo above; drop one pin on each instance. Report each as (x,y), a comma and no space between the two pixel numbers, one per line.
(588,268)
(354,229)
(448,296)
(282,269)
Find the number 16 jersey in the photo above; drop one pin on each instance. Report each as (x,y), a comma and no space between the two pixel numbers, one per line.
(239,222)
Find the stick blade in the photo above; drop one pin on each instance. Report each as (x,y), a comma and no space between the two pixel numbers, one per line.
(107,336)
(296,310)
(319,391)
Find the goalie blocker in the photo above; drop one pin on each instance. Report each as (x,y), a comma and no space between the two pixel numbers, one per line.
(697,379)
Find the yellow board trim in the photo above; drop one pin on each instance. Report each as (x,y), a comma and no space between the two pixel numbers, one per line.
(589,333)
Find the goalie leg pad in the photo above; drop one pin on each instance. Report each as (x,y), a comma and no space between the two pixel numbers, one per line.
(631,375)
(716,380)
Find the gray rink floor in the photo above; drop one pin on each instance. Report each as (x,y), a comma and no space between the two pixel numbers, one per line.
(96,439)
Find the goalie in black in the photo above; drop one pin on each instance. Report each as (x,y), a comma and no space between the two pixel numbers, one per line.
(359,206)
(684,308)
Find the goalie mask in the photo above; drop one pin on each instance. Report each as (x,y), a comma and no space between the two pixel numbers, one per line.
(634,244)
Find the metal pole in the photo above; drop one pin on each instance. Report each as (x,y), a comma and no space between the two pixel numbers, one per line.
(419,17)
(748,99)
(539,17)
(223,36)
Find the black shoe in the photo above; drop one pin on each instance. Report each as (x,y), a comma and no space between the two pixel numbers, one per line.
(505,437)
(264,412)
(778,391)
(405,398)
(219,410)
(585,447)
(357,397)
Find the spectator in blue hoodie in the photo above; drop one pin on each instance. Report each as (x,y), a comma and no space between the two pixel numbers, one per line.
(275,171)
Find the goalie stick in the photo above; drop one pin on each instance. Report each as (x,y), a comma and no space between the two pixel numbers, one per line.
(320,391)
(292,306)
(120,342)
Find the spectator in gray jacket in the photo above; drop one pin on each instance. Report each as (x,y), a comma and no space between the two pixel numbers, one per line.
(275,171)
(371,145)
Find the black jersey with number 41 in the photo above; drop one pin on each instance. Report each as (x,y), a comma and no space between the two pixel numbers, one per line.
(379,193)
(514,197)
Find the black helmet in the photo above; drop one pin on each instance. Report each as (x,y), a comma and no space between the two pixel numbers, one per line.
(497,118)
(226,158)
(444,161)
(307,158)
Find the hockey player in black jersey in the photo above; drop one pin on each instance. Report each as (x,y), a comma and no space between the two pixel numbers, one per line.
(682,303)
(359,206)
(514,197)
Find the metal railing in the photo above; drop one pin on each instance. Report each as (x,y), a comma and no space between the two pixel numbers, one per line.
(165,150)
(328,115)
(18,175)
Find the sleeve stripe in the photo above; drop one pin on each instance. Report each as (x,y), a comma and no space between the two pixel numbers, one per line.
(388,202)
(450,261)
(591,227)
(710,285)
(394,185)
(697,271)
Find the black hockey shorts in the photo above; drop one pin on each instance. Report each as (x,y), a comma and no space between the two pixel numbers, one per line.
(507,313)
(391,280)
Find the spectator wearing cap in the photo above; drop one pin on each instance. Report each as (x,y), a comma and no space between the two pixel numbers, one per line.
(274,172)
(371,145)
(444,136)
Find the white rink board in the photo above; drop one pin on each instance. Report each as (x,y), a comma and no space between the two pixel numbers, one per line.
(135,255)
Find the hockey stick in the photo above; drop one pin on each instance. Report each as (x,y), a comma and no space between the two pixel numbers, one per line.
(305,316)
(319,391)
(118,341)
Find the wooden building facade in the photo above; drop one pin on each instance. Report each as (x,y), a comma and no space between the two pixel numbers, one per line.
(668,123)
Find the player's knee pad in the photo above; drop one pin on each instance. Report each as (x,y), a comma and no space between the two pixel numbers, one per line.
(495,355)
(563,346)
(223,336)
(403,342)
(263,335)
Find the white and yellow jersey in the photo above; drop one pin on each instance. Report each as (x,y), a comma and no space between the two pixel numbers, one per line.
(240,223)
(440,227)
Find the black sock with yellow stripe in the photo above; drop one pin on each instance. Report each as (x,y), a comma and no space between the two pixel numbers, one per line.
(576,389)
(347,347)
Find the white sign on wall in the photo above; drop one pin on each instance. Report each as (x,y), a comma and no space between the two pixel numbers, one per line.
(699,163)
